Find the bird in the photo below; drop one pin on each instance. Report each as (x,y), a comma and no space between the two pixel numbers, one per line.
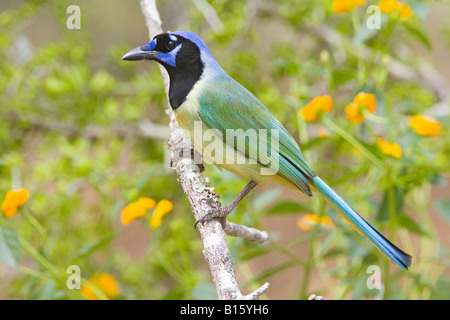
(203,96)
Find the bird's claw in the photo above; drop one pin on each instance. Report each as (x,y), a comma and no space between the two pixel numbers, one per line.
(221,212)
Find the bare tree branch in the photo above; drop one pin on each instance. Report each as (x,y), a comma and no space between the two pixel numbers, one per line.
(250,234)
(201,196)
(210,15)
(255,294)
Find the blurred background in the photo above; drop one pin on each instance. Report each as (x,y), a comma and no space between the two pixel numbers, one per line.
(82,136)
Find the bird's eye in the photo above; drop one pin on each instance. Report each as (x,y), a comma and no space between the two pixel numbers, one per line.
(171,45)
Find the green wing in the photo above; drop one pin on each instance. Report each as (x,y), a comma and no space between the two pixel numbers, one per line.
(226,104)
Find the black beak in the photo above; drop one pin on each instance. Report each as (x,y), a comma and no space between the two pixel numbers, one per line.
(140,54)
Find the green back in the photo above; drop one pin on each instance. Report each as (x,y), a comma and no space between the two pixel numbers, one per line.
(225,104)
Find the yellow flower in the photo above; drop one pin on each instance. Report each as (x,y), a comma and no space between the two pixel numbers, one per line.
(307,221)
(395,7)
(353,113)
(390,148)
(13,200)
(405,12)
(425,125)
(162,208)
(104,282)
(366,100)
(136,209)
(318,106)
(362,101)
(147,203)
(339,6)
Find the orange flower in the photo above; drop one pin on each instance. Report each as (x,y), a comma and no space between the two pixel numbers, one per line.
(339,6)
(104,282)
(308,221)
(136,209)
(390,148)
(405,12)
(13,200)
(147,203)
(395,7)
(162,208)
(362,101)
(353,113)
(140,208)
(318,106)
(425,125)
(366,100)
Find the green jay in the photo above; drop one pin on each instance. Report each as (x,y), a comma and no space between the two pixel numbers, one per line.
(204,97)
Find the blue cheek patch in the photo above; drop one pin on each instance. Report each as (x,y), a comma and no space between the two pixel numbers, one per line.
(169,57)
(149,46)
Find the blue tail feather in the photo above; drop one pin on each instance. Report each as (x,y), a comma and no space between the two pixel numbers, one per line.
(384,245)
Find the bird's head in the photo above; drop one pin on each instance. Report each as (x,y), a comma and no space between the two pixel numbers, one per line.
(179,49)
(186,58)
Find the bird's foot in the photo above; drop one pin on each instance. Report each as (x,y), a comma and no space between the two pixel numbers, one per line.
(221,213)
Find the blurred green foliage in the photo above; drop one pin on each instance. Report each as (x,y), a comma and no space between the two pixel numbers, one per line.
(68,134)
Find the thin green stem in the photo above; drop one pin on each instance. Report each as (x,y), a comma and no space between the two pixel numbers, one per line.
(307,272)
(35,223)
(310,258)
(392,224)
(353,141)
(374,118)
(379,43)
(362,75)
(41,259)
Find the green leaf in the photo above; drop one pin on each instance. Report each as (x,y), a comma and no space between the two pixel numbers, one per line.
(329,240)
(287,207)
(409,224)
(399,197)
(418,34)
(254,253)
(9,247)
(275,270)
(443,207)
(341,76)
(175,294)
(313,143)
(89,248)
